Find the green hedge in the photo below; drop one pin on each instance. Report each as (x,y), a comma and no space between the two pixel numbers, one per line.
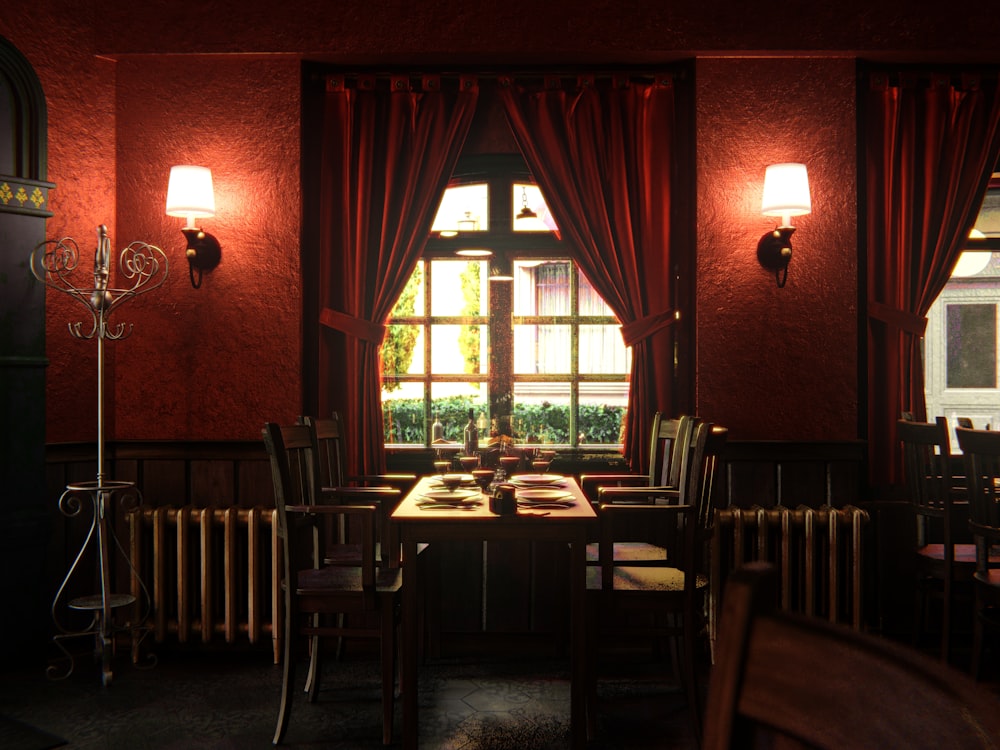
(546,423)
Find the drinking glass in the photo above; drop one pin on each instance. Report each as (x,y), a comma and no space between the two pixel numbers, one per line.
(483,478)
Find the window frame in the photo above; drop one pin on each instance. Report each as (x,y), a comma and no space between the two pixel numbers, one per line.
(501,172)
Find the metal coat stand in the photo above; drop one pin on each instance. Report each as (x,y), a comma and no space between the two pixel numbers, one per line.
(144,267)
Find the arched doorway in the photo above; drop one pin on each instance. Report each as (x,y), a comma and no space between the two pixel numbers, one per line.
(24,512)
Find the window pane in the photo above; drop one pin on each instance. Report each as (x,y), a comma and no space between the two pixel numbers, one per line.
(530,197)
(590,301)
(971,346)
(402,413)
(463,203)
(403,350)
(450,403)
(541,412)
(458,349)
(542,287)
(458,287)
(542,350)
(602,351)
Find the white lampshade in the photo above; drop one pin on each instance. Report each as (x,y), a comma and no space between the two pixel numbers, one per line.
(190,194)
(786,191)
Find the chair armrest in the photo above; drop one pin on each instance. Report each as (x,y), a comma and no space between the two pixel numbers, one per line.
(331,510)
(635,495)
(403,482)
(306,518)
(590,483)
(363,494)
(644,509)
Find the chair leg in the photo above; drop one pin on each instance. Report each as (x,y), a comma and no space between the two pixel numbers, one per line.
(315,668)
(690,677)
(919,609)
(946,621)
(388,666)
(591,670)
(287,679)
(341,621)
(977,638)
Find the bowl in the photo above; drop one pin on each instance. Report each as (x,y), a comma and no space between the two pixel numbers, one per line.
(451,481)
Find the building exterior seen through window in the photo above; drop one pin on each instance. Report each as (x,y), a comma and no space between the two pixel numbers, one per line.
(498,318)
(961,340)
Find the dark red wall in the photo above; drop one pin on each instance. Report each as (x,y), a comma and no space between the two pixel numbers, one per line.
(133,89)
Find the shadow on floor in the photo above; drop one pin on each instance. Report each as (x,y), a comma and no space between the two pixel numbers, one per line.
(228,700)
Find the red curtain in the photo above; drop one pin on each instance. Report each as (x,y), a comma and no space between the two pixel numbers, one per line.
(601,150)
(932,142)
(389,147)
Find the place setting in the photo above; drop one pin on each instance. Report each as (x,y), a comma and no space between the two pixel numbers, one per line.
(449,499)
(544,498)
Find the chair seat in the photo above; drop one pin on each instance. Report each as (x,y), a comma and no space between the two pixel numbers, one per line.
(990,578)
(965,554)
(341,579)
(636,552)
(350,554)
(644,579)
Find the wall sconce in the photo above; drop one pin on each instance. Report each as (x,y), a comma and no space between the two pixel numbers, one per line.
(190,196)
(786,194)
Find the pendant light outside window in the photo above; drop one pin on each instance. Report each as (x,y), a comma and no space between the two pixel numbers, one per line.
(525,212)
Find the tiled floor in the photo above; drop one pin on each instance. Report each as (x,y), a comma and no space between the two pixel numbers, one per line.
(194,699)
(221,699)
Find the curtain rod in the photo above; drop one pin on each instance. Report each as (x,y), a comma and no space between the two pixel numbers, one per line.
(676,69)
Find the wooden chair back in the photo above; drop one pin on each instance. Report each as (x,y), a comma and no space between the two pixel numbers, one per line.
(786,681)
(981,456)
(929,481)
(668,444)
(329,449)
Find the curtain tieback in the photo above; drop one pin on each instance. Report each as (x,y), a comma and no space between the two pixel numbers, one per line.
(352,326)
(901,319)
(643,328)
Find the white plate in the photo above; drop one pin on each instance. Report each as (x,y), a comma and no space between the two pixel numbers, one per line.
(542,495)
(529,480)
(453,496)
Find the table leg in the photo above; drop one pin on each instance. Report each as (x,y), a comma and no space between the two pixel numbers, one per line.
(578,644)
(409,646)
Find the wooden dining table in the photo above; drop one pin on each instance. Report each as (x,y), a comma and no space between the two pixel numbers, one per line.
(423,519)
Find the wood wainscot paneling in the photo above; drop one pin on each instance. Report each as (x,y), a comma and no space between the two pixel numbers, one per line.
(505,588)
(770,473)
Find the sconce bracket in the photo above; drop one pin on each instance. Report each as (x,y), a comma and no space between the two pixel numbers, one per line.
(203,253)
(774,252)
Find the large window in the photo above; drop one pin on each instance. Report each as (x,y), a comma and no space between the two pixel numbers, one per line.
(962,338)
(498,318)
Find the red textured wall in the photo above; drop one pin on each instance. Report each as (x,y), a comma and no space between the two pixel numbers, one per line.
(214,362)
(777,363)
(133,89)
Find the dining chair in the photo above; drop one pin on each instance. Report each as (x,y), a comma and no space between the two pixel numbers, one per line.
(661,598)
(667,440)
(334,479)
(940,512)
(785,680)
(981,454)
(367,593)
(670,441)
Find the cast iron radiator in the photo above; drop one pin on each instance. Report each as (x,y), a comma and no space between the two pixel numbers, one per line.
(818,553)
(209,571)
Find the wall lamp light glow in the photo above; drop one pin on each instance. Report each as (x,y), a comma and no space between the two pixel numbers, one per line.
(786,194)
(190,195)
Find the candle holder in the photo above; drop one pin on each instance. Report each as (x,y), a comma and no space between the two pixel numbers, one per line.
(144,267)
